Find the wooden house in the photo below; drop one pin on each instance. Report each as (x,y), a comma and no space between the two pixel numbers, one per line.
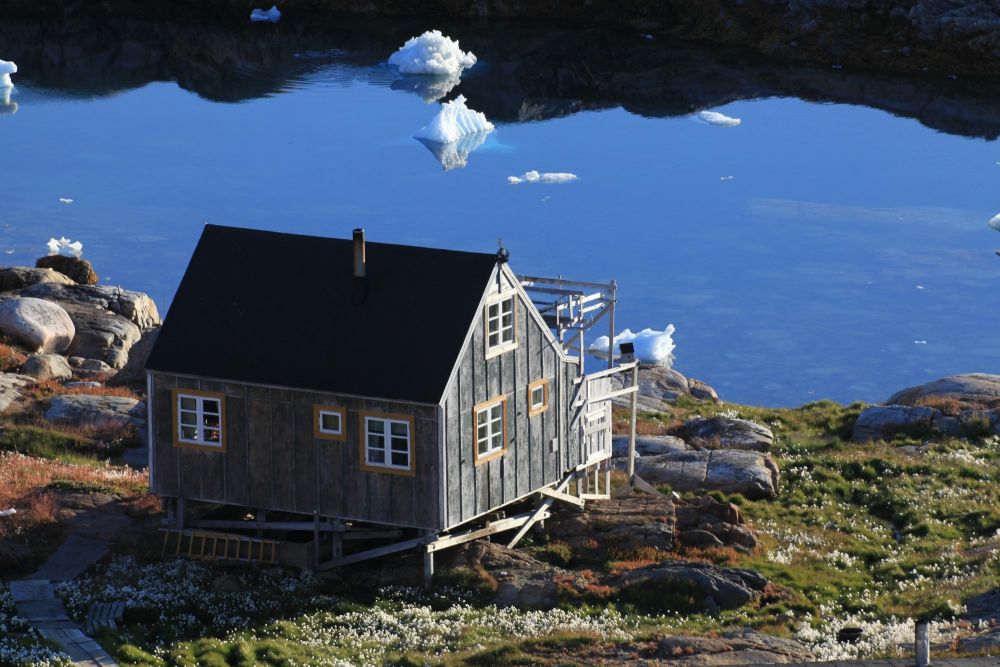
(337,386)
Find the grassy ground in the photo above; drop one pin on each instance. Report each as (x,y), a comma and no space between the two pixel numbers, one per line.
(860,534)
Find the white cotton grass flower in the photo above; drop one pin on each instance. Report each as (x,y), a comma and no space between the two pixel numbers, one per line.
(64,246)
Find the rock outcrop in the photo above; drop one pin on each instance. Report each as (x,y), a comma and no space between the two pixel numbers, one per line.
(79,270)
(746,647)
(134,372)
(971,391)
(105,412)
(752,474)
(136,307)
(884,422)
(39,325)
(726,433)
(10,388)
(647,445)
(47,367)
(18,277)
(659,387)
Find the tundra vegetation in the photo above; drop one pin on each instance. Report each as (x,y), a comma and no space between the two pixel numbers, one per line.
(871,535)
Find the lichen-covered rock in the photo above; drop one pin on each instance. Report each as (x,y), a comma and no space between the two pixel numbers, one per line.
(76,268)
(746,647)
(10,388)
(136,307)
(726,433)
(647,445)
(18,277)
(881,422)
(99,411)
(712,588)
(987,642)
(659,387)
(39,325)
(101,334)
(969,391)
(47,367)
(753,474)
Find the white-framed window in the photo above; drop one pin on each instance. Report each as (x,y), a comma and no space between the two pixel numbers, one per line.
(200,421)
(388,442)
(501,330)
(538,397)
(329,422)
(490,428)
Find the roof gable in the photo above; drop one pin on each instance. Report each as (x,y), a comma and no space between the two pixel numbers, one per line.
(278,309)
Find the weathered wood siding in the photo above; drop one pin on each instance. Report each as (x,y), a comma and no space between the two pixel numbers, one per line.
(530,461)
(273,461)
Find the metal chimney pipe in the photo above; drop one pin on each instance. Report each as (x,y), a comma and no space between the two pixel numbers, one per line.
(359,253)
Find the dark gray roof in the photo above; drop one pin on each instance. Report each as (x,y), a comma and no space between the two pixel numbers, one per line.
(280,309)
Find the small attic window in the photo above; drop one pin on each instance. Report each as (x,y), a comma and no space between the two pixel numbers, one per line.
(328,422)
(199,420)
(501,330)
(538,397)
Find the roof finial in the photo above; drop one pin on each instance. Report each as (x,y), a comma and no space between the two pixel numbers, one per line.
(502,253)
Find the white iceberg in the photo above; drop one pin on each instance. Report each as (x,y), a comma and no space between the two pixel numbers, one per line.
(6,69)
(65,200)
(716,118)
(454,121)
(651,346)
(546,177)
(7,107)
(456,154)
(273,14)
(432,53)
(65,246)
(995,222)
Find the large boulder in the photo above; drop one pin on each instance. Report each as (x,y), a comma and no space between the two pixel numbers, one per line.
(105,412)
(10,389)
(710,588)
(18,277)
(987,642)
(101,334)
(985,607)
(722,521)
(883,422)
(47,367)
(136,307)
(80,270)
(134,372)
(753,474)
(618,524)
(659,387)
(971,391)
(647,445)
(726,433)
(39,325)
(743,647)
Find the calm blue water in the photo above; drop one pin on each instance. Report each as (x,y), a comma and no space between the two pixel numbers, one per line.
(847,256)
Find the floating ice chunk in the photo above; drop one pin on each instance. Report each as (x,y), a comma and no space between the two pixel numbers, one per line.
(726,178)
(716,118)
(6,69)
(273,15)
(65,246)
(7,107)
(920,342)
(455,155)
(432,53)
(651,346)
(454,121)
(546,177)
(65,200)
(995,221)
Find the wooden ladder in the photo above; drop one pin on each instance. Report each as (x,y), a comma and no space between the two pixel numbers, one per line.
(207,545)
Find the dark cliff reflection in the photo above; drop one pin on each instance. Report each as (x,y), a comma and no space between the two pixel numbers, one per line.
(525,72)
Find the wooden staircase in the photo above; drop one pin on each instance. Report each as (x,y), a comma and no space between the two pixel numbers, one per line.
(209,545)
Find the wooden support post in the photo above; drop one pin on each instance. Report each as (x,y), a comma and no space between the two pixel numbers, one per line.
(179,523)
(428,568)
(633,403)
(315,539)
(611,326)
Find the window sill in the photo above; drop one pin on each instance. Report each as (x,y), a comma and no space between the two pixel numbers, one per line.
(503,349)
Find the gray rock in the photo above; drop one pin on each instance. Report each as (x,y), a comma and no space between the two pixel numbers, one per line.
(699,538)
(970,391)
(134,371)
(725,588)
(659,387)
(93,367)
(985,607)
(38,324)
(136,307)
(47,367)
(882,422)
(746,647)
(97,411)
(987,642)
(80,270)
(753,474)
(726,433)
(18,277)
(83,383)
(10,388)
(101,334)
(647,445)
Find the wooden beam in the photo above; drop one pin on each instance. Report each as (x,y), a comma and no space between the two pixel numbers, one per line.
(492,528)
(560,281)
(264,525)
(615,394)
(375,553)
(564,497)
(642,485)
(633,402)
(542,508)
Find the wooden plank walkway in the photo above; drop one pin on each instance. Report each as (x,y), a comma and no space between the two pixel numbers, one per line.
(35,599)
(986,661)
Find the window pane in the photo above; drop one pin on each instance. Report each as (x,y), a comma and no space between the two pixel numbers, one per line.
(189,433)
(329,421)
(188,403)
(399,428)
(483,446)
(211,421)
(537,397)
(400,444)
(493,310)
(376,426)
(189,418)
(401,459)
(483,432)
(496,412)
(210,405)
(213,435)
(376,441)
(508,320)
(508,305)
(376,456)
(494,339)
(496,442)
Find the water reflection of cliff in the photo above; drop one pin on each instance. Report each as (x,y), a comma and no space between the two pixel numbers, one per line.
(526,72)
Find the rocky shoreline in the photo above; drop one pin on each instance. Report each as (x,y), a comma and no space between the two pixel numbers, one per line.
(954,38)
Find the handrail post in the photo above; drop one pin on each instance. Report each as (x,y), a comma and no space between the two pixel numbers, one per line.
(633,402)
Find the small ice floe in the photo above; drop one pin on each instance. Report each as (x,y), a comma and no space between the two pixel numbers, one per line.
(920,342)
(726,178)
(432,53)
(63,246)
(995,220)
(65,200)
(272,15)
(455,155)
(454,121)
(546,177)
(651,346)
(920,286)
(7,107)
(720,119)
(6,69)
(10,512)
